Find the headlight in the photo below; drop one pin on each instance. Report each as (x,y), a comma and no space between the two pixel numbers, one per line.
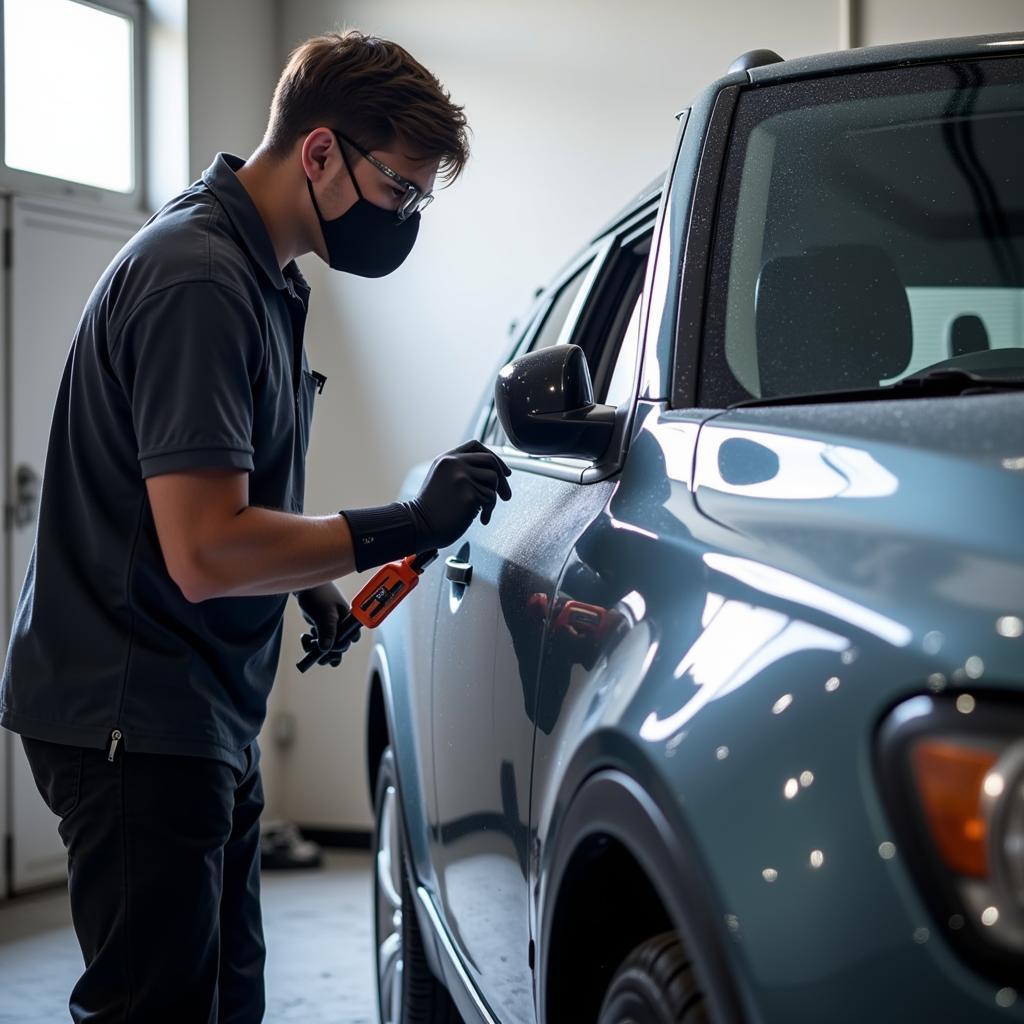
(951,771)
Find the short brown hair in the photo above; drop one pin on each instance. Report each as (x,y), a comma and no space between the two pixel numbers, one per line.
(375,92)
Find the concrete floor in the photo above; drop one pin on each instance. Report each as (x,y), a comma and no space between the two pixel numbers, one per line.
(318,929)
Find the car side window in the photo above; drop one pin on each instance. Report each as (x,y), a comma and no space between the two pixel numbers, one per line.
(608,327)
(554,323)
(614,320)
(548,334)
(620,384)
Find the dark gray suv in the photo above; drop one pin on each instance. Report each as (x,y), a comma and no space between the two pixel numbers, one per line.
(722,716)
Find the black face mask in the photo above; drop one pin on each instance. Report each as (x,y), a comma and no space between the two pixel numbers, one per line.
(366,239)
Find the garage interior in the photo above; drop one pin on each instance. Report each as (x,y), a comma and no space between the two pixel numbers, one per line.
(571,107)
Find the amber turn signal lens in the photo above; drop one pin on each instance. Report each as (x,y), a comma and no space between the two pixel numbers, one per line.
(949,779)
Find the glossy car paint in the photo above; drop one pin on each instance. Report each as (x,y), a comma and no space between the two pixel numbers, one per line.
(723,621)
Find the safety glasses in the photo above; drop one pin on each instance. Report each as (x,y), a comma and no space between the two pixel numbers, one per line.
(414,200)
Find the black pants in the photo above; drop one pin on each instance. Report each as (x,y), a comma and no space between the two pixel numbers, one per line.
(163,875)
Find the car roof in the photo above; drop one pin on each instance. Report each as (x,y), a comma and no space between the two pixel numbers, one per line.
(991,45)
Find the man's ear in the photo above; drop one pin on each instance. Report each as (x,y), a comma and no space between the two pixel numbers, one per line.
(315,148)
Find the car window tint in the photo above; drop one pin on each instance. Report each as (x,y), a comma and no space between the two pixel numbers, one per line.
(620,384)
(870,225)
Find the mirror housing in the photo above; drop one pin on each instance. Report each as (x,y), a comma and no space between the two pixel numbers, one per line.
(545,402)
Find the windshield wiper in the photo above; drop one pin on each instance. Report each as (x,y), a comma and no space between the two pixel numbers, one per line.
(942,383)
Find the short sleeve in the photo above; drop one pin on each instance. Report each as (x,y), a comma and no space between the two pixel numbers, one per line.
(187,357)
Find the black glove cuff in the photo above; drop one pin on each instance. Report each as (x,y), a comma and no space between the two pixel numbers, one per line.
(383,533)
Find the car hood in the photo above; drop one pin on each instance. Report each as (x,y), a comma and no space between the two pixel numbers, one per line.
(912,508)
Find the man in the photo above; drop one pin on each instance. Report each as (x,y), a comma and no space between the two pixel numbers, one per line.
(171,527)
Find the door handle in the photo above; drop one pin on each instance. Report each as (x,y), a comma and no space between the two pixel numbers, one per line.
(456,571)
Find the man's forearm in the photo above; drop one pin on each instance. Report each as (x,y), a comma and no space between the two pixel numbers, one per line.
(267,551)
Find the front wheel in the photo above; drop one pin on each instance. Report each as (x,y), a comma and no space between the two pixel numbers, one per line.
(407,991)
(654,985)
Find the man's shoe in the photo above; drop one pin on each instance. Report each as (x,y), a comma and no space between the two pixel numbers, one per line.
(282,847)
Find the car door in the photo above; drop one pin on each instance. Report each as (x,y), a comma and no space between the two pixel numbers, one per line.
(491,616)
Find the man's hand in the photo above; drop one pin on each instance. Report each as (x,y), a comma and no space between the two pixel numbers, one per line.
(324,607)
(459,484)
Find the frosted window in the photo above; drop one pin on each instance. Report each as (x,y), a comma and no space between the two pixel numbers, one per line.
(68,92)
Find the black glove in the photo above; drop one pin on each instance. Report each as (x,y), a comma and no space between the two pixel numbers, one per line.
(324,607)
(459,483)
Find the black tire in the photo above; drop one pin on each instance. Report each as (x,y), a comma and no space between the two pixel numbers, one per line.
(655,984)
(407,991)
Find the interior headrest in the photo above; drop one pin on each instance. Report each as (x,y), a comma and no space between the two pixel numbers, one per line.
(832,318)
(967,334)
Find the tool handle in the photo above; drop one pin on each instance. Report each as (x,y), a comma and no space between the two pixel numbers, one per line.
(374,602)
(346,629)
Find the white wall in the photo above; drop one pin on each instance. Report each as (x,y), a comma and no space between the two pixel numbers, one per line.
(572,105)
(883,21)
(232,70)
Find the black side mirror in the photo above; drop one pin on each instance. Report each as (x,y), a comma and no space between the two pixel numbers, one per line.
(545,402)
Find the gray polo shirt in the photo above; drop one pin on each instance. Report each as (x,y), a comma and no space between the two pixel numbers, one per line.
(189,353)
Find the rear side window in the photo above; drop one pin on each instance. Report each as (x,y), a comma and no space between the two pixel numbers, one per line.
(607,327)
(870,226)
(555,322)
(549,333)
(611,332)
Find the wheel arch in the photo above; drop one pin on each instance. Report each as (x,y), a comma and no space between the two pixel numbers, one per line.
(612,808)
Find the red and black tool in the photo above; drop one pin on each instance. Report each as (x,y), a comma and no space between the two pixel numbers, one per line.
(387,588)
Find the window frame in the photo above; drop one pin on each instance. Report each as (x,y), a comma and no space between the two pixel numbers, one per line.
(33,183)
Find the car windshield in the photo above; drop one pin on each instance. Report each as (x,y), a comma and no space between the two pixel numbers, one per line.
(870,226)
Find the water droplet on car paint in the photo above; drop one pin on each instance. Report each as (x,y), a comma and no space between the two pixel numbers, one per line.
(782,703)
(849,656)
(1010,626)
(887,850)
(956,921)
(831,685)
(769,874)
(974,667)
(817,858)
(791,788)
(989,916)
(936,682)
(1006,996)
(920,935)
(965,703)
(722,753)
(732,922)
(806,778)
(932,642)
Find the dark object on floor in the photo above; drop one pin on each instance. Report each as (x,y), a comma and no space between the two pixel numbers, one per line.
(282,848)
